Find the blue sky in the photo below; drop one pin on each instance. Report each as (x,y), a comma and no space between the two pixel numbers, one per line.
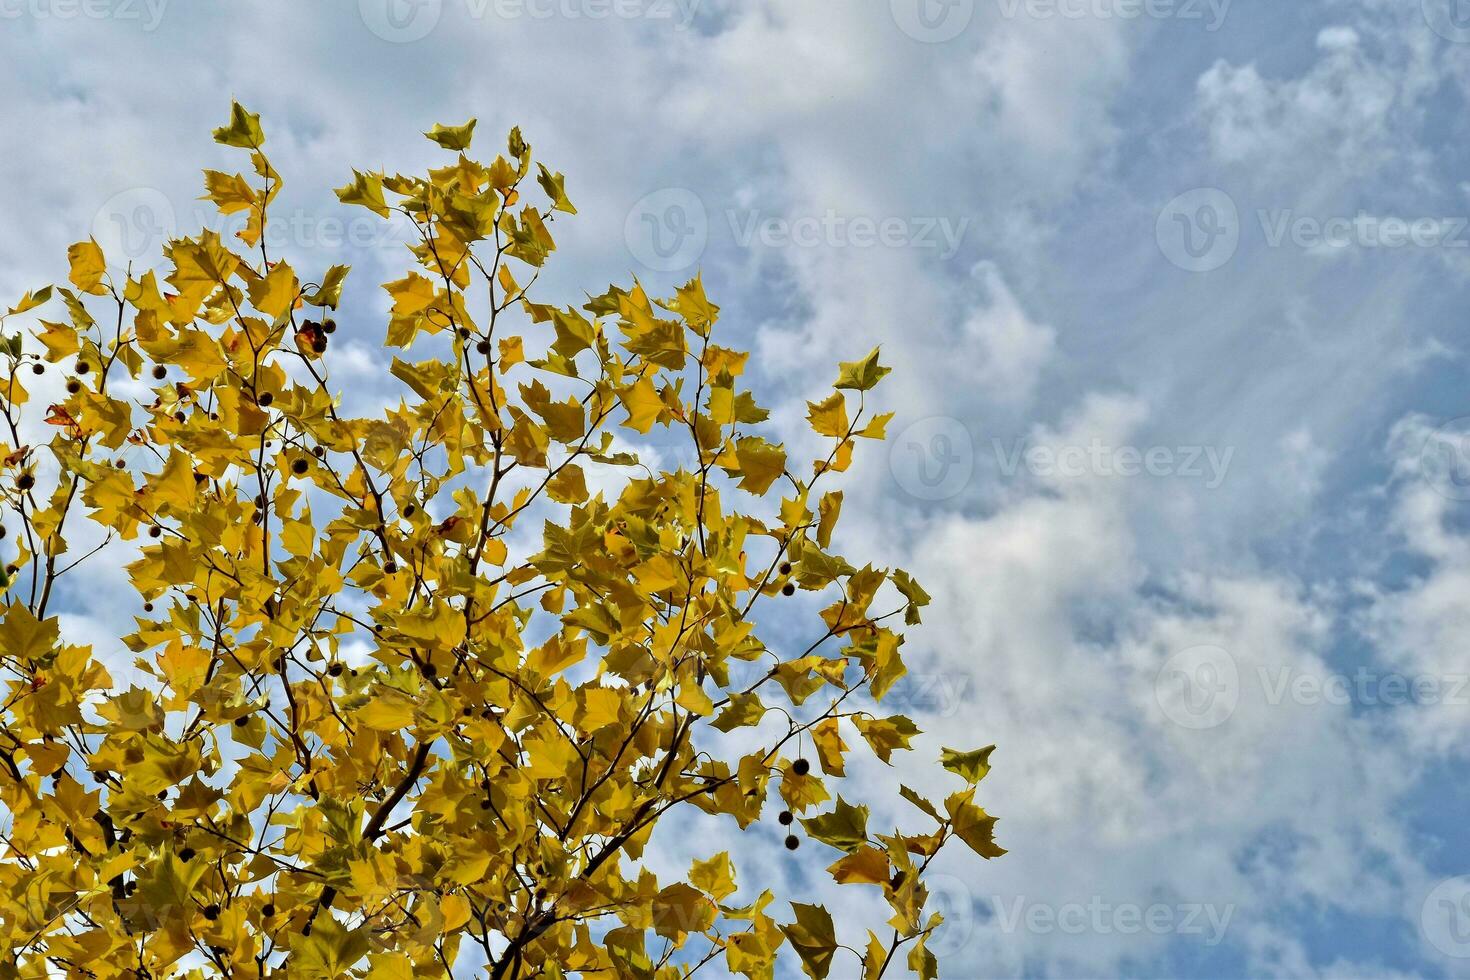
(1174,293)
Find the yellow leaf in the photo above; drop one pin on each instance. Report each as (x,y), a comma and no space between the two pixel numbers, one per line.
(829,416)
(24,637)
(388,712)
(229,192)
(643,405)
(865,866)
(715,877)
(87,267)
(274,294)
(760,464)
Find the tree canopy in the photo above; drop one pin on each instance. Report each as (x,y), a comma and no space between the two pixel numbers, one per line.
(417,689)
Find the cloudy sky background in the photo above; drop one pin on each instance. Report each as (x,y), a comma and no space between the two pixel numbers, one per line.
(1174,293)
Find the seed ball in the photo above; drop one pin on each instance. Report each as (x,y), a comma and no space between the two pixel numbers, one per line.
(211,912)
(155,531)
(160,372)
(25,481)
(299,467)
(147,607)
(390,567)
(801,767)
(329,326)
(3,531)
(265,399)
(335,670)
(483,347)
(83,367)
(120,464)
(268,910)
(242,721)
(484,804)
(786,568)
(792,843)
(410,510)
(788,589)
(318,451)
(72,387)
(180,418)
(187,854)
(38,368)
(786,818)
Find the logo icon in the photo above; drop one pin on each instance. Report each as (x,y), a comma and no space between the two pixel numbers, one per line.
(401,21)
(1445,917)
(933,459)
(1199,230)
(932,21)
(132,227)
(1445,459)
(1198,688)
(1450,19)
(951,897)
(667,230)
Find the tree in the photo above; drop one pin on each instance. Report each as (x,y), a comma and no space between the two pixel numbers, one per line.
(524,707)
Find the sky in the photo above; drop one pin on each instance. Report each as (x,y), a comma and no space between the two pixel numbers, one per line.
(1174,295)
